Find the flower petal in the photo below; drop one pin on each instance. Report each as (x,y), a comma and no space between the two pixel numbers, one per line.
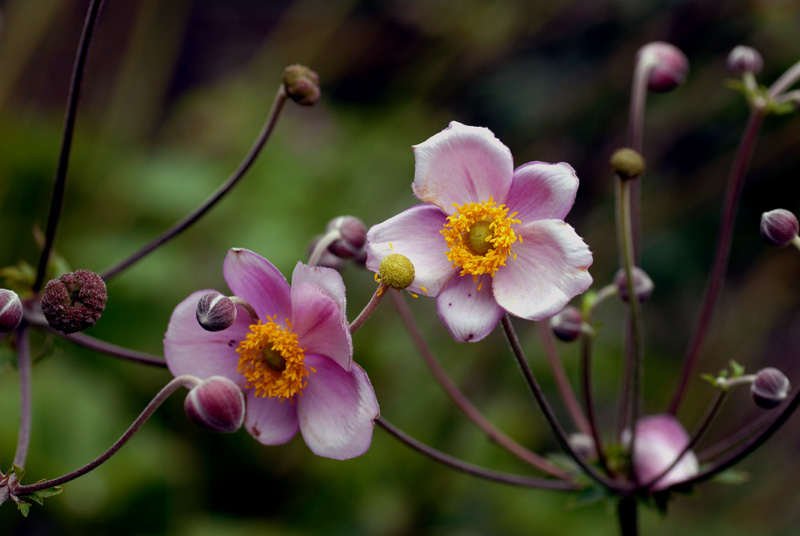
(415,234)
(542,191)
(318,313)
(469,314)
(254,278)
(271,421)
(189,349)
(337,410)
(462,164)
(659,440)
(550,269)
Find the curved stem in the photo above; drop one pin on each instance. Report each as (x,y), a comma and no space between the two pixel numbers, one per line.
(370,308)
(786,80)
(324,242)
(59,185)
(474,470)
(717,276)
(463,403)
(24,369)
(179,227)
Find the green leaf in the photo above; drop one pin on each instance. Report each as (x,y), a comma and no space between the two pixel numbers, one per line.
(24,508)
(732,476)
(737,369)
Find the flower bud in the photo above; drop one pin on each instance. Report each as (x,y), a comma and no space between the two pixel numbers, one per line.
(660,439)
(396,271)
(216,404)
(743,60)
(215,312)
(642,284)
(627,163)
(583,444)
(669,66)
(568,324)
(74,301)
(302,85)
(353,236)
(779,227)
(770,388)
(10,311)
(326,258)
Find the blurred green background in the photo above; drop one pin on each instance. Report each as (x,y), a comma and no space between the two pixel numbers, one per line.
(174,94)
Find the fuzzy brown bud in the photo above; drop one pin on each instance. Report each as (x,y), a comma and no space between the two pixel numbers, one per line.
(302,85)
(74,301)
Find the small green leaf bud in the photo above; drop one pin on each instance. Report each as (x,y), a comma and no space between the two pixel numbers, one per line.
(353,234)
(302,85)
(779,227)
(215,312)
(568,324)
(669,66)
(627,163)
(396,271)
(743,60)
(642,284)
(10,311)
(74,301)
(770,388)
(216,404)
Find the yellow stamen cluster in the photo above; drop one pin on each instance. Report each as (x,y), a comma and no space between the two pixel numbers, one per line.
(479,237)
(272,362)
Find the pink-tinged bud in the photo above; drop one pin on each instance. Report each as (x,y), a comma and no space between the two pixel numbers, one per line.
(568,324)
(216,404)
(302,85)
(326,258)
(10,311)
(669,66)
(660,439)
(215,312)
(74,301)
(642,284)
(743,60)
(353,236)
(770,388)
(584,445)
(779,227)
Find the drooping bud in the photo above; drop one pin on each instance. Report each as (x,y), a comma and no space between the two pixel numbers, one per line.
(326,258)
(770,388)
(353,236)
(568,324)
(669,66)
(215,312)
(396,271)
(74,301)
(302,85)
(642,284)
(10,311)
(779,227)
(216,404)
(743,60)
(627,163)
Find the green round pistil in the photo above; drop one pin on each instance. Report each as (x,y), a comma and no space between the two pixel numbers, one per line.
(274,359)
(478,237)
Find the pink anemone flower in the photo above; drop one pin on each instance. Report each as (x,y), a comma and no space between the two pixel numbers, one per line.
(660,439)
(295,363)
(490,239)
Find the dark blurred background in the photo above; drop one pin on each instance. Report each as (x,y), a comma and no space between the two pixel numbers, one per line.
(174,94)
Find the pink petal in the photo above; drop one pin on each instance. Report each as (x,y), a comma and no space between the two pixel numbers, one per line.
(318,315)
(659,440)
(551,268)
(336,410)
(271,421)
(469,314)
(254,278)
(542,191)
(462,164)
(189,349)
(415,234)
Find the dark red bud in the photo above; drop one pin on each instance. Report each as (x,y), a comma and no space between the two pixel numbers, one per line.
(74,301)
(216,404)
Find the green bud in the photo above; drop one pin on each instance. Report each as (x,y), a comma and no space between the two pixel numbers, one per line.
(627,163)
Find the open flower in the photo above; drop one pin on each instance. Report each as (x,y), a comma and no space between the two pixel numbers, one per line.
(491,239)
(660,439)
(294,363)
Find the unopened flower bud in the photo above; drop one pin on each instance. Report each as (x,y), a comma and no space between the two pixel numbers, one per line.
(642,284)
(215,312)
(396,271)
(74,301)
(568,324)
(353,236)
(627,163)
(583,444)
(326,258)
(770,388)
(302,85)
(669,66)
(743,60)
(216,404)
(10,311)
(779,227)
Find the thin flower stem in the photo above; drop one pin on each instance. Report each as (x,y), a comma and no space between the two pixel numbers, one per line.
(588,398)
(461,401)
(179,227)
(475,470)
(59,185)
(717,276)
(370,308)
(641,75)
(166,391)
(324,242)
(533,385)
(24,369)
(560,376)
(735,438)
(787,80)
(627,514)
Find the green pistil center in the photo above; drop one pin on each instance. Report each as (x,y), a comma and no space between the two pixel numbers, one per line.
(477,239)
(274,360)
